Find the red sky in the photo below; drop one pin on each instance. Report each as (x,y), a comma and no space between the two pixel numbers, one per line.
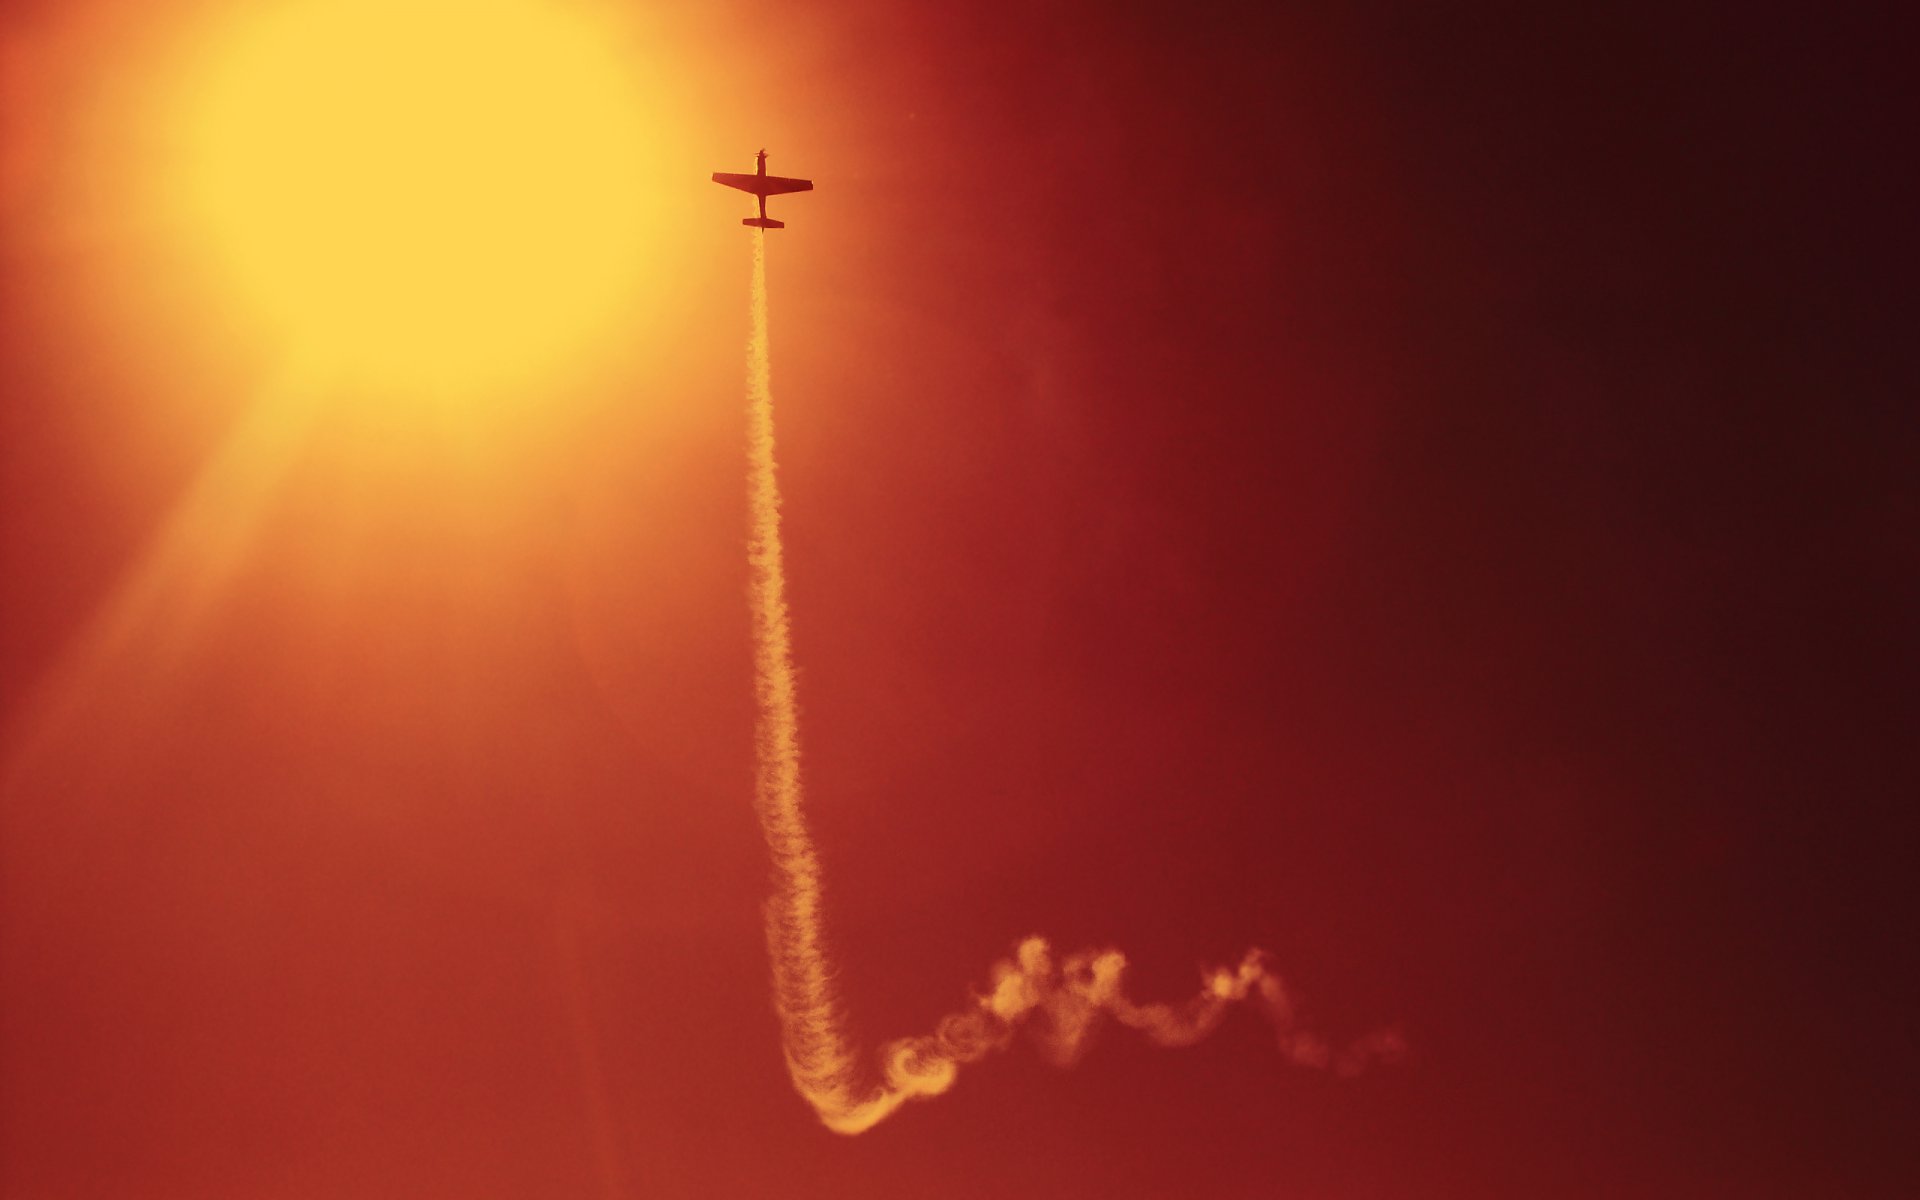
(1421,492)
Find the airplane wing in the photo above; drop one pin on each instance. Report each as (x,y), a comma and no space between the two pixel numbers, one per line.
(763,185)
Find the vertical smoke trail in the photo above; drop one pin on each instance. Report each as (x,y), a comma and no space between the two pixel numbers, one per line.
(822,1065)
(1061,1002)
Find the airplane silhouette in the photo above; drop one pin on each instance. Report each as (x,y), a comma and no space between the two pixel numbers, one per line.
(763,185)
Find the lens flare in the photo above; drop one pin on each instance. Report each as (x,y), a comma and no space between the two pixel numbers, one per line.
(427,192)
(1060,1002)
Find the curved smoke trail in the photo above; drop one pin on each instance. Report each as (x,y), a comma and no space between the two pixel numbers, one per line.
(1060,1001)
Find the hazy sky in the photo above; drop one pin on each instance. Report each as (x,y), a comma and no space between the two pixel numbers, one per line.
(1422,491)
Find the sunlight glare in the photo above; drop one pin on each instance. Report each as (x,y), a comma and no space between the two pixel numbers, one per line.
(430,192)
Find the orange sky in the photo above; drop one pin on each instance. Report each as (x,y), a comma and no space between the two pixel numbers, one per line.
(1347,485)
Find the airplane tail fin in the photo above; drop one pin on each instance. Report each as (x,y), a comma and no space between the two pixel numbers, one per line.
(763,222)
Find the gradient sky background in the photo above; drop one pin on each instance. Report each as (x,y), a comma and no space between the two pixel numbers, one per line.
(1426,491)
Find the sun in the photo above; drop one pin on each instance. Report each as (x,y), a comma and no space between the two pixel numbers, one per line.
(439,193)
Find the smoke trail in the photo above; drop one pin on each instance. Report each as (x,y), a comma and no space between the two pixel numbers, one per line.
(1060,1002)
(822,1065)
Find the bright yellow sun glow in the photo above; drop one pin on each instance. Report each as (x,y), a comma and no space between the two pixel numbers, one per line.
(434,193)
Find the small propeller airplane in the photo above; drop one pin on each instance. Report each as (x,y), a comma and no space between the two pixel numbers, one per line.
(763,185)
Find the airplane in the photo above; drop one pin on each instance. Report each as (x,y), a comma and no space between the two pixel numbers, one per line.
(763,185)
